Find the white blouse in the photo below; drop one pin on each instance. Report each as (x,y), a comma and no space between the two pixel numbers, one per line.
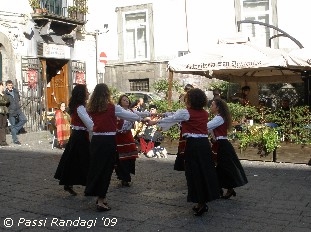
(128,125)
(85,117)
(177,117)
(215,122)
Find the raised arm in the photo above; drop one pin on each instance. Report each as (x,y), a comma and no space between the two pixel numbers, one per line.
(167,122)
(125,114)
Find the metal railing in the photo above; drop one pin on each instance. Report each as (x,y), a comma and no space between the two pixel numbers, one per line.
(62,8)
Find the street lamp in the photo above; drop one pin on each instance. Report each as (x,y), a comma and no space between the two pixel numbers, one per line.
(96,34)
(96,54)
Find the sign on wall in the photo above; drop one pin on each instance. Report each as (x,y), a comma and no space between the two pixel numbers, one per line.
(56,51)
(32,78)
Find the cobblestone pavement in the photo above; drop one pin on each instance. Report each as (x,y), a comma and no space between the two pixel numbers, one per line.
(277,197)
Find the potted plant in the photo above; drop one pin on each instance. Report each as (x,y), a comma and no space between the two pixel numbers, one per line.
(35,4)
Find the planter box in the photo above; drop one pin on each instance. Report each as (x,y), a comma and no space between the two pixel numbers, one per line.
(287,152)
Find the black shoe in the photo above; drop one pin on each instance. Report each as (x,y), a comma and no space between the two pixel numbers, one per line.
(200,211)
(4,144)
(70,190)
(125,183)
(221,193)
(17,142)
(229,194)
(196,208)
(103,207)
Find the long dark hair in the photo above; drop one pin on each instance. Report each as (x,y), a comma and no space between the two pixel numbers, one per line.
(196,99)
(224,111)
(78,97)
(100,98)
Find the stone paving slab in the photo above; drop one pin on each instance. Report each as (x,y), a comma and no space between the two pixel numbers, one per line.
(277,197)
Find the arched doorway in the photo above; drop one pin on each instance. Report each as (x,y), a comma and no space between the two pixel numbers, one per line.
(57,80)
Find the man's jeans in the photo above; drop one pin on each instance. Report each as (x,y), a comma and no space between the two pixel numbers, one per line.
(15,127)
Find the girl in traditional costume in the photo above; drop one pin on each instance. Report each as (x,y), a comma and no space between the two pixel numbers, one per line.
(199,167)
(74,163)
(126,146)
(229,169)
(103,144)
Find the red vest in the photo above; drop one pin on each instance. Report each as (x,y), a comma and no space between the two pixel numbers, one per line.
(75,119)
(197,123)
(221,130)
(120,123)
(105,121)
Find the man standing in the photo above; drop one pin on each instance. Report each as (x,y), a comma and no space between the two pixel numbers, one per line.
(17,118)
(242,98)
(216,94)
(4,102)
(186,89)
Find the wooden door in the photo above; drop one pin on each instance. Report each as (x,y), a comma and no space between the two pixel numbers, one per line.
(57,87)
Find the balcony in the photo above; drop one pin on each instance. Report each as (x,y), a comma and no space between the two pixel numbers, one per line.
(60,13)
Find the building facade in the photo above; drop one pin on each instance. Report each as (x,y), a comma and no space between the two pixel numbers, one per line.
(38,53)
(145,34)
(127,43)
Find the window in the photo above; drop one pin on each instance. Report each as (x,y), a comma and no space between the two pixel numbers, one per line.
(53,6)
(135,39)
(258,10)
(139,85)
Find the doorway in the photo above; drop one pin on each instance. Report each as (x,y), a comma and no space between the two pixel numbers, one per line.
(57,80)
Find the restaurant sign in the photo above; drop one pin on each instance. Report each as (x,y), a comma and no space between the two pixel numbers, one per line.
(56,51)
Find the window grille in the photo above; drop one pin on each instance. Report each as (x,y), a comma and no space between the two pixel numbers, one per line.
(139,85)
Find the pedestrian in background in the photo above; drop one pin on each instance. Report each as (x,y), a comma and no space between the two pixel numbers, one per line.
(200,169)
(216,95)
(103,144)
(141,105)
(126,146)
(229,169)
(4,102)
(62,124)
(74,163)
(243,97)
(17,118)
(150,137)
(186,89)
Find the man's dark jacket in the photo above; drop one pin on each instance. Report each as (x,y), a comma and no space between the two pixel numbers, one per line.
(14,107)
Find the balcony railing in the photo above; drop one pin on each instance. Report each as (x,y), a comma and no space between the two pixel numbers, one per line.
(74,9)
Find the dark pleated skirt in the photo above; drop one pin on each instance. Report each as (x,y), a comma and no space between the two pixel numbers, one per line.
(229,169)
(200,171)
(103,157)
(125,168)
(74,163)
